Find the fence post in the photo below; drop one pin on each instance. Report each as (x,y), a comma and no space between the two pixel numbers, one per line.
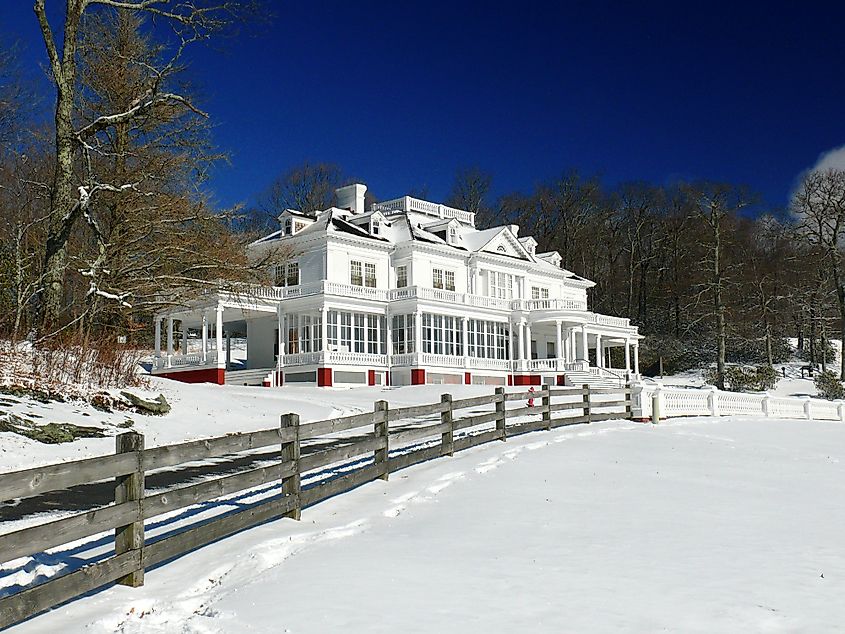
(500,414)
(713,400)
(808,412)
(292,484)
(447,440)
(129,488)
(547,407)
(656,403)
(586,401)
(381,430)
(767,405)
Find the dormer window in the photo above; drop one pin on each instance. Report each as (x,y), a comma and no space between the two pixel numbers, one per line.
(288,227)
(375,227)
(453,235)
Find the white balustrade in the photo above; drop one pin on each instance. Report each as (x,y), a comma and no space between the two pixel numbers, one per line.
(408,203)
(677,401)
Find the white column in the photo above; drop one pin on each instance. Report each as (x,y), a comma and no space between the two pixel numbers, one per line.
(184,337)
(627,355)
(573,345)
(599,352)
(157,326)
(204,336)
(559,343)
(169,339)
(418,332)
(528,341)
(585,353)
(219,333)
(607,358)
(521,341)
(279,346)
(636,359)
(464,335)
(388,336)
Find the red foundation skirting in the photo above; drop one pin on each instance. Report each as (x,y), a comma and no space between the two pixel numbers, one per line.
(525,379)
(371,377)
(206,375)
(324,377)
(467,378)
(418,376)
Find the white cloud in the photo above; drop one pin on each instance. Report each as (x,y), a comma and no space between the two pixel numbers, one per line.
(832,159)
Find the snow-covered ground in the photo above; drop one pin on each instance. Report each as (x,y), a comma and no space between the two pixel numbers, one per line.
(694,525)
(200,411)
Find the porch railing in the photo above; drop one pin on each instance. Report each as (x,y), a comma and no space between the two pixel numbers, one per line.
(183,360)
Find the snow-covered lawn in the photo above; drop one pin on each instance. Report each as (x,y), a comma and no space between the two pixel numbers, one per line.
(695,525)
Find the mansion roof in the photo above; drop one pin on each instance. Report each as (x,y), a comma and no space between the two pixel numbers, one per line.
(408,220)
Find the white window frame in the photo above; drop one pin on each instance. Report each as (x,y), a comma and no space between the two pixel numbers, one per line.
(402,276)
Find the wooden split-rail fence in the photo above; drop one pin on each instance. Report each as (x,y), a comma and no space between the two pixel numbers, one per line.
(393,439)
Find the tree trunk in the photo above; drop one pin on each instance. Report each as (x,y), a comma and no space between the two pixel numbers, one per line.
(718,308)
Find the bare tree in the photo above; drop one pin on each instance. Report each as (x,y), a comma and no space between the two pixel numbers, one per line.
(307,188)
(75,184)
(470,190)
(820,206)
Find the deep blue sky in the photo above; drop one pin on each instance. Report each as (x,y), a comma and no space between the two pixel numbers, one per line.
(402,94)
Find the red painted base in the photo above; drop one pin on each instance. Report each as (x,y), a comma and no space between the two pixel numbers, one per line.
(561,379)
(467,378)
(418,376)
(526,379)
(324,377)
(206,375)
(371,377)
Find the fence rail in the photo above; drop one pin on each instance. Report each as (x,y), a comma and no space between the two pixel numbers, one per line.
(368,446)
(678,401)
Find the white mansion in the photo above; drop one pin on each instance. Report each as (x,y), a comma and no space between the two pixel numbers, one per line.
(408,292)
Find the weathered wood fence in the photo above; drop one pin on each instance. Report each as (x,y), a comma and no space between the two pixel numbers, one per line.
(392,439)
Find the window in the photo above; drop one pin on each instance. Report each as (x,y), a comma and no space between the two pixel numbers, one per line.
(287,274)
(453,235)
(356,277)
(373,331)
(443,279)
(488,339)
(401,276)
(537,292)
(369,274)
(442,335)
(358,334)
(292,278)
(437,278)
(403,334)
(288,226)
(500,285)
(375,227)
(346,331)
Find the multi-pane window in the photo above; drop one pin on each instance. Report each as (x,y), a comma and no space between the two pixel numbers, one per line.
(288,226)
(304,333)
(500,285)
(453,235)
(403,333)
(356,276)
(538,292)
(401,276)
(287,274)
(370,274)
(356,332)
(437,278)
(442,334)
(376,227)
(488,339)
(441,278)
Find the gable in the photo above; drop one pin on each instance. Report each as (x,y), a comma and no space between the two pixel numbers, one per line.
(504,243)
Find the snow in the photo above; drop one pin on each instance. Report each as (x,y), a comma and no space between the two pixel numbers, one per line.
(693,525)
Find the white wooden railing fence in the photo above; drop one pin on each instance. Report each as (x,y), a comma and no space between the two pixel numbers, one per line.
(679,401)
